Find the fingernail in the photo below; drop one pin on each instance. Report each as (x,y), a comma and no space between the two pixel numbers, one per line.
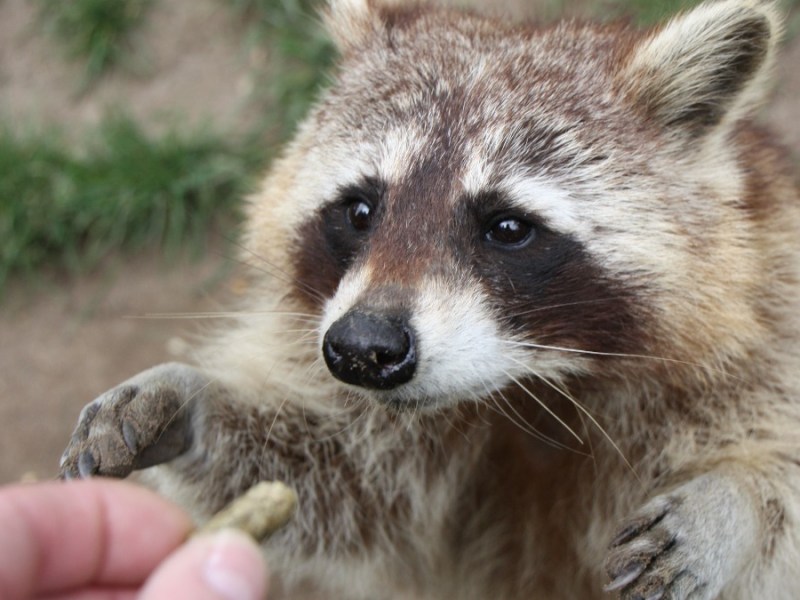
(235,568)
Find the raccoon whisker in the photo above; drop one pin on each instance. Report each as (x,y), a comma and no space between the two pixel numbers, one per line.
(348,397)
(310,334)
(364,410)
(276,274)
(621,355)
(565,304)
(351,423)
(414,417)
(280,274)
(305,332)
(596,352)
(305,419)
(272,425)
(455,421)
(238,260)
(185,403)
(454,424)
(433,429)
(529,429)
(543,405)
(314,364)
(222,315)
(495,407)
(305,340)
(519,421)
(480,414)
(283,402)
(352,402)
(478,401)
(410,421)
(585,411)
(309,343)
(585,426)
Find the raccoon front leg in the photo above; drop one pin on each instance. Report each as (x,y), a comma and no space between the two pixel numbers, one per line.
(143,422)
(687,544)
(211,446)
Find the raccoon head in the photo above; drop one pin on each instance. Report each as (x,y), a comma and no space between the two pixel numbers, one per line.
(472,204)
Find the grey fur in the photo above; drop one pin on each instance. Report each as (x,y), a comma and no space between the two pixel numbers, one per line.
(651,399)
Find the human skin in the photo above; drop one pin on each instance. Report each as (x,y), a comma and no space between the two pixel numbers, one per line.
(102,539)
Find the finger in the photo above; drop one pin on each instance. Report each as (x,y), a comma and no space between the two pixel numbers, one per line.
(113,593)
(223,566)
(62,536)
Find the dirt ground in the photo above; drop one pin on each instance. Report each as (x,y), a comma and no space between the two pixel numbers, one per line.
(62,344)
(188,63)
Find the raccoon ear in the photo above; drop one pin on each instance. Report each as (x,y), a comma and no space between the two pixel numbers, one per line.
(351,22)
(705,66)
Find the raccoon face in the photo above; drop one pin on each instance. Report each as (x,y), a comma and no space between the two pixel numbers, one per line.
(474,205)
(437,296)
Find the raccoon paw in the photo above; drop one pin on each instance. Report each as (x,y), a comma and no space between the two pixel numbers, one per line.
(684,545)
(141,423)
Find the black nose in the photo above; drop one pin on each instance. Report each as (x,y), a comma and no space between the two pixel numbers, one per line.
(370,350)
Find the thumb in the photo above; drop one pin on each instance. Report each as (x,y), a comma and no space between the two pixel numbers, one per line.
(223,566)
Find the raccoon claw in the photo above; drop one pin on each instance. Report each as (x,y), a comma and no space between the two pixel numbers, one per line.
(670,549)
(648,560)
(646,518)
(129,435)
(130,427)
(624,575)
(87,464)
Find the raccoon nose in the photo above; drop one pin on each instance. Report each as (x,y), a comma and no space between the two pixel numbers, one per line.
(369,350)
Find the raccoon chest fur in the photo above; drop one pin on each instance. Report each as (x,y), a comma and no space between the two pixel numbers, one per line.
(524,320)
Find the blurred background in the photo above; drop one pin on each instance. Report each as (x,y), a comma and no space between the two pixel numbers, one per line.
(130,130)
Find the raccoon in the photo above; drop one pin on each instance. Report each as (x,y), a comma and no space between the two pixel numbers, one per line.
(523,321)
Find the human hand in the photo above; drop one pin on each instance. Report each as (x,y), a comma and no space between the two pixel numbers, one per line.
(99,539)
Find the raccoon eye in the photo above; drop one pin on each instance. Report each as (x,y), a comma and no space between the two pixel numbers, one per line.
(359,214)
(510,231)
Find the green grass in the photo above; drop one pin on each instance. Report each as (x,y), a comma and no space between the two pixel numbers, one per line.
(67,204)
(793,22)
(126,190)
(97,32)
(644,12)
(291,33)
